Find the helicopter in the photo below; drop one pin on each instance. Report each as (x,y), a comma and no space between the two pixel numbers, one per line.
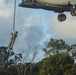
(58,6)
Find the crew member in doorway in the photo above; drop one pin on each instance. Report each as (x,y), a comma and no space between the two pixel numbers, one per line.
(12,40)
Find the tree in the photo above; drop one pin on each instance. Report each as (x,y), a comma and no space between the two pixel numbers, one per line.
(31,52)
(28,56)
(21,63)
(57,64)
(3,53)
(11,70)
(55,46)
(4,56)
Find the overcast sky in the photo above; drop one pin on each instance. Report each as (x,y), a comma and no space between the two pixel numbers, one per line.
(33,26)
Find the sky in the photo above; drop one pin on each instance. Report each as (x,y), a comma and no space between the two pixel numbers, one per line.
(34,26)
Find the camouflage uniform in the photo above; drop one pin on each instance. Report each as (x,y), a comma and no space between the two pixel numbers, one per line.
(12,40)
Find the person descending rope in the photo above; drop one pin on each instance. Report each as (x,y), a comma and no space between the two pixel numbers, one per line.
(12,40)
(14,33)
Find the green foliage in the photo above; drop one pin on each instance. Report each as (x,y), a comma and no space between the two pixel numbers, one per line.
(57,64)
(55,46)
(18,69)
(4,73)
(11,70)
(59,61)
(71,71)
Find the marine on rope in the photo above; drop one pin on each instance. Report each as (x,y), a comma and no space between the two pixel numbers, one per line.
(12,40)
(14,33)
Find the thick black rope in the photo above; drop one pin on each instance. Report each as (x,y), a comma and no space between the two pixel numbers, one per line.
(14,16)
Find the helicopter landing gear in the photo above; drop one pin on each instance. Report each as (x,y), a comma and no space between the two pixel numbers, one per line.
(61,17)
(73,10)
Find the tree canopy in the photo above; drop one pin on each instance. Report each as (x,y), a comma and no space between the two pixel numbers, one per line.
(60,61)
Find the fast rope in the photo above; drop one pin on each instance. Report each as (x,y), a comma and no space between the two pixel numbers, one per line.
(14,16)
